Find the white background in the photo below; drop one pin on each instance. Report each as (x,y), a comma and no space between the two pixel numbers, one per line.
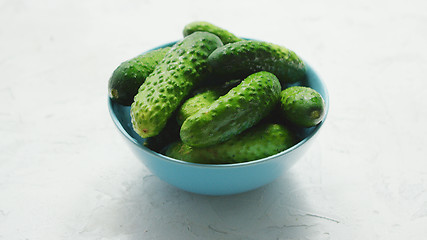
(66,173)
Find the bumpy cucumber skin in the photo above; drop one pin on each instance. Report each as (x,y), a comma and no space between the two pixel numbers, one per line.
(129,75)
(255,143)
(241,108)
(224,35)
(203,98)
(302,106)
(183,67)
(194,104)
(239,59)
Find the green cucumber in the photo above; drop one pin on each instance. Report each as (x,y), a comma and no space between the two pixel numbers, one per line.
(255,143)
(241,108)
(302,106)
(183,67)
(240,59)
(129,75)
(224,35)
(203,98)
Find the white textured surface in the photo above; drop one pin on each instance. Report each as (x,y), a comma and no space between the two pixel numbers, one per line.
(65,172)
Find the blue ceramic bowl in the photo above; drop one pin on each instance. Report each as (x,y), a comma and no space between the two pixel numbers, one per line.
(220,179)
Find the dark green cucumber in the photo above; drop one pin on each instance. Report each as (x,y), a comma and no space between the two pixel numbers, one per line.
(183,67)
(255,143)
(168,135)
(302,106)
(240,59)
(241,108)
(129,75)
(224,35)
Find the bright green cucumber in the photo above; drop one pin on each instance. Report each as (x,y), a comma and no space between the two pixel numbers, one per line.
(224,35)
(203,99)
(240,59)
(192,105)
(241,108)
(302,106)
(183,67)
(255,143)
(129,75)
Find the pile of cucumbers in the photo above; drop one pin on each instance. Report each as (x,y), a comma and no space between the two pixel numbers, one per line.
(215,98)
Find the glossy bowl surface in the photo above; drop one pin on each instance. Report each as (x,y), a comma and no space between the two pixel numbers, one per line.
(220,179)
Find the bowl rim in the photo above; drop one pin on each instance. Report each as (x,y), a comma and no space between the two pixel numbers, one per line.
(222,165)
